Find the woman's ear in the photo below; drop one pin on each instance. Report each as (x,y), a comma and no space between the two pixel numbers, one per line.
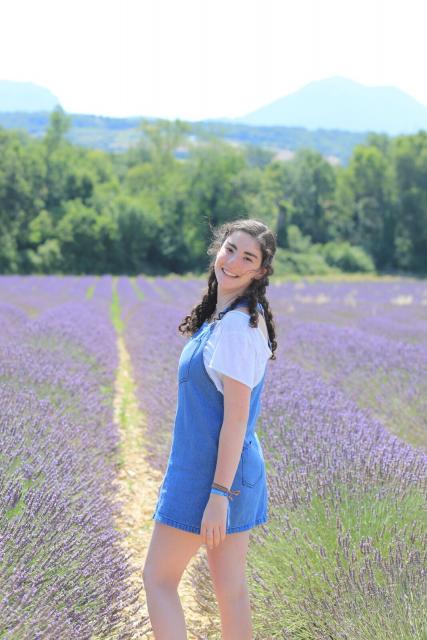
(261,274)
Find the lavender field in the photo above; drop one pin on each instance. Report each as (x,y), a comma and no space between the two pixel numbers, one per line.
(343,430)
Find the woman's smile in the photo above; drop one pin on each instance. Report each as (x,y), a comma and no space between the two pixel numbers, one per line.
(228,273)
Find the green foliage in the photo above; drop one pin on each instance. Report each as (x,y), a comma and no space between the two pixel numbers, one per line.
(160,140)
(290,262)
(138,229)
(87,239)
(297,242)
(258,156)
(310,186)
(66,209)
(410,171)
(40,228)
(305,258)
(371,205)
(46,258)
(8,252)
(301,257)
(59,124)
(346,257)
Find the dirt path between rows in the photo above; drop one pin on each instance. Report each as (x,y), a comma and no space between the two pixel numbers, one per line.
(137,488)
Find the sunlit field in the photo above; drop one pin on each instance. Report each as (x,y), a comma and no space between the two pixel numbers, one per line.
(343,429)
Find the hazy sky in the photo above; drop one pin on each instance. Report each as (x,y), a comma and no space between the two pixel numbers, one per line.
(196,59)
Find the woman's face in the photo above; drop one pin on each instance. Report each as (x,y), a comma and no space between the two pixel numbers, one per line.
(238,262)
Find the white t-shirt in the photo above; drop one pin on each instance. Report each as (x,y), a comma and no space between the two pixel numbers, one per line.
(237,350)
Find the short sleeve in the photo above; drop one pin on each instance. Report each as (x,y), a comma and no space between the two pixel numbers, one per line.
(234,356)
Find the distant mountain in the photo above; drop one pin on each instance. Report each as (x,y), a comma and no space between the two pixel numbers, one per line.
(25,96)
(340,103)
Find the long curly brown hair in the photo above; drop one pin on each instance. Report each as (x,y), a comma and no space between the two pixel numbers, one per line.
(255,292)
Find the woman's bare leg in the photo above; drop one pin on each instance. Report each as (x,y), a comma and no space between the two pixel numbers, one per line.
(169,552)
(227,565)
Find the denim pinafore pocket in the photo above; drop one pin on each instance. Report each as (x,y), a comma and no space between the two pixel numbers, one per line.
(252,464)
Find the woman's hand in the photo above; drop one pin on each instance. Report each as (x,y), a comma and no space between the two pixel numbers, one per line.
(214,521)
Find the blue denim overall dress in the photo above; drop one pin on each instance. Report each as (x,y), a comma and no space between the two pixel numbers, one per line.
(185,489)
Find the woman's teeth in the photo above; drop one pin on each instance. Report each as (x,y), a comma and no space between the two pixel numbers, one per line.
(229,274)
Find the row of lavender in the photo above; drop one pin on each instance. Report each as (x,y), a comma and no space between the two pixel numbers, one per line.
(343,556)
(370,340)
(63,573)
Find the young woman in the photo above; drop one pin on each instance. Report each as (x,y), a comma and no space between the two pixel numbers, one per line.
(214,489)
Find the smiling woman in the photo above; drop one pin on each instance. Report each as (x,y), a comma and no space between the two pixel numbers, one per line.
(215,481)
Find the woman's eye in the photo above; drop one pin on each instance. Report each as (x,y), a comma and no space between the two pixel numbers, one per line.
(231,250)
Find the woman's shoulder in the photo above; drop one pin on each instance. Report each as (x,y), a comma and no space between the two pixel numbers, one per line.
(237,321)
(240,318)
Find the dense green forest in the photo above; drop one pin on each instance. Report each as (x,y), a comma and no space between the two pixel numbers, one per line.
(68,209)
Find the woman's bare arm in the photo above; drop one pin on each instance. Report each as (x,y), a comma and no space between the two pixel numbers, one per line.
(236,413)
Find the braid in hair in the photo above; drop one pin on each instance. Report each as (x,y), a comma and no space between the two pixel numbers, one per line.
(204,309)
(255,294)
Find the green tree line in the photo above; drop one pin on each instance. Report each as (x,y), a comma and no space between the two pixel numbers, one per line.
(67,209)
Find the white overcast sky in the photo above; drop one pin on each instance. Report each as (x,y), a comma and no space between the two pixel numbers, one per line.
(195,59)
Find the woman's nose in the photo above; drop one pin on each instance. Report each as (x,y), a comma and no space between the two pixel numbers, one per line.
(232,259)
